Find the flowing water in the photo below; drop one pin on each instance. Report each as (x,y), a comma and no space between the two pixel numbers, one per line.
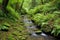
(31,27)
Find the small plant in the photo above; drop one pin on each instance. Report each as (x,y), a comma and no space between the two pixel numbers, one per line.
(48,22)
(4,27)
(10,37)
(56,30)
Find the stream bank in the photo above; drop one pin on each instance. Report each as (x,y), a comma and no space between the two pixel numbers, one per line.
(31,28)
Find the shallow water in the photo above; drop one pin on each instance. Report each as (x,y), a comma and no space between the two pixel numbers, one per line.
(31,27)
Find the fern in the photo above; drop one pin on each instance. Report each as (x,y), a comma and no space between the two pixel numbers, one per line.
(13,12)
(4,26)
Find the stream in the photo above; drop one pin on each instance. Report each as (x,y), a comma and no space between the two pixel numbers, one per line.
(30,27)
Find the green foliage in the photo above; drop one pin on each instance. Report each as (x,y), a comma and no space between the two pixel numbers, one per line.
(41,18)
(13,12)
(57,13)
(14,1)
(27,4)
(2,14)
(45,9)
(4,26)
(56,30)
(48,21)
(45,13)
(0,1)
(10,37)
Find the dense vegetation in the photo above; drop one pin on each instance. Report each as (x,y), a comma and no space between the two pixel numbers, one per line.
(44,13)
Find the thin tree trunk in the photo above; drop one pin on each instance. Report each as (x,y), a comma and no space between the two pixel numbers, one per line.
(4,5)
(21,5)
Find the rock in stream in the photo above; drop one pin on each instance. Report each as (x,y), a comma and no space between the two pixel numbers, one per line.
(31,27)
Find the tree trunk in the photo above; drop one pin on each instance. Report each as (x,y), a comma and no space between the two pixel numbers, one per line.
(4,5)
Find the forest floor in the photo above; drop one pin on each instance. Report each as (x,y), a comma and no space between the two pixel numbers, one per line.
(17,31)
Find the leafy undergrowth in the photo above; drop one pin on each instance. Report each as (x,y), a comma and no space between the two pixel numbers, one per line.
(46,16)
(48,23)
(44,13)
(16,30)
